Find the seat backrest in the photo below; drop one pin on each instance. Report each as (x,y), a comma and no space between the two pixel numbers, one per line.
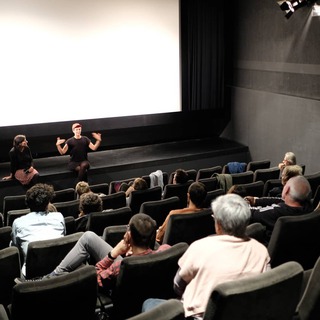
(68,208)
(146,276)
(309,304)
(13,203)
(179,190)
(189,227)
(67,194)
(270,184)
(270,295)
(44,255)
(192,175)
(314,180)
(266,174)
(242,177)
(171,309)
(100,188)
(14,214)
(159,209)
(257,231)
(137,197)
(71,296)
(70,223)
(113,234)
(211,195)
(115,184)
(316,198)
(210,183)
(114,200)
(165,178)
(254,189)
(296,238)
(10,268)
(258,164)
(208,172)
(97,221)
(5,236)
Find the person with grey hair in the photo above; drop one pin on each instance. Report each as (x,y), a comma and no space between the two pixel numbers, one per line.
(226,256)
(288,160)
(295,200)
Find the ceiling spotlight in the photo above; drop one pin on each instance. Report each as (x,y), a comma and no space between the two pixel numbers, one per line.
(291,6)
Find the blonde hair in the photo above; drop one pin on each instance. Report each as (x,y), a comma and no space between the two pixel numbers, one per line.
(82,187)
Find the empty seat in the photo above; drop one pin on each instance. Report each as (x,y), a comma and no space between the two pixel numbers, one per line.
(208,172)
(210,183)
(254,189)
(67,194)
(314,180)
(97,221)
(242,177)
(114,200)
(273,294)
(159,209)
(5,237)
(266,174)
(258,164)
(68,208)
(211,195)
(189,227)
(13,203)
(137,197)
(44,255)
(179,190)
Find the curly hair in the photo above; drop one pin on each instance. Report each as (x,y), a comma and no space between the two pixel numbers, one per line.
(39,196)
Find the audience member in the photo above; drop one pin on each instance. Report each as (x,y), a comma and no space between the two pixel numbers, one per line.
(137,184)
(78,147)
(137,241)
(89,202)
(40,223)
(180,176)
(21,162)
(228,255)
(288,160)
(296,200)
(287,173)
(81,188)
(195,198)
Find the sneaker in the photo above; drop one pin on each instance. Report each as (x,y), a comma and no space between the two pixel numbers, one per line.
(47,276)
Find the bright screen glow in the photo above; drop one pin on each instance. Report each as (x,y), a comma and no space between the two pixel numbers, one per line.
(84,59)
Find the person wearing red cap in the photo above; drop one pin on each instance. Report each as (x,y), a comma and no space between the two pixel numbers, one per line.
(78,147)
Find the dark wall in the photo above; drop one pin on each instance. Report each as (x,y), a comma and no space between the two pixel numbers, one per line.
(276,82)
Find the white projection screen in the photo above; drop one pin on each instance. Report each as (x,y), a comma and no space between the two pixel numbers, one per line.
(86,59)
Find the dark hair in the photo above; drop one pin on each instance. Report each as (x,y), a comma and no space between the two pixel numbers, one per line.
(90,202)
(18,139)
(140,184)
(143,230)
(181,176)
(39,196)
(197,192)
(239,190)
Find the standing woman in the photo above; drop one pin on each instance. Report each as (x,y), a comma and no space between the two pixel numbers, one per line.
(78,147)
(21,162)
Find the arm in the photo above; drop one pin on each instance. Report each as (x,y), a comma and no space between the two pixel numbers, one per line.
(179,285)
(61,150)
(95,146)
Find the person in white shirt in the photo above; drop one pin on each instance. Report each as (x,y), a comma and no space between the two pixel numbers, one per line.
(40,223)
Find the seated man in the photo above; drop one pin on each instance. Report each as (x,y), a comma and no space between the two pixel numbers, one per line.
(195,197)
(296,200)
(226,256)
(41,223)
(138,240)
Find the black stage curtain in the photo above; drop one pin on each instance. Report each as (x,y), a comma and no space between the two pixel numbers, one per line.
(203,42)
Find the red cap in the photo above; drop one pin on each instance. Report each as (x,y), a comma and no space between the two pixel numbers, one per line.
(76,125)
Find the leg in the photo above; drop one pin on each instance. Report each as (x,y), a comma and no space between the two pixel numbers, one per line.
(89,245)
(83,170)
